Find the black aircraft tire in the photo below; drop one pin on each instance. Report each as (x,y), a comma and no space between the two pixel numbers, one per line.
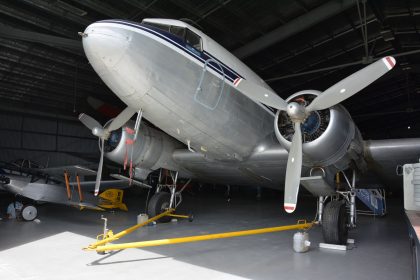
(334,223)
(158,204)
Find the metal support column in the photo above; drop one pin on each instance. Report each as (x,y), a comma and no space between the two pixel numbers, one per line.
(353,200)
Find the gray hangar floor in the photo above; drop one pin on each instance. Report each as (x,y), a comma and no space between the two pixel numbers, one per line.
(52,249)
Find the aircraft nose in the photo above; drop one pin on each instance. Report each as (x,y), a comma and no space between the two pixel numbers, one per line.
(104,46)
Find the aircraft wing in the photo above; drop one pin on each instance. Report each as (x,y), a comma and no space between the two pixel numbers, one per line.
(265,169)
(105,184)
(83,205)
(51,193)
(121,182)
(129,181)
(384,156)
(72,169)
(268,168)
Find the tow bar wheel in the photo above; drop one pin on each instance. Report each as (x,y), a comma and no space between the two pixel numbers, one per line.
(29,212)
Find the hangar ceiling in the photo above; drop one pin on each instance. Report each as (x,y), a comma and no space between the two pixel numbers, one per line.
(293,45)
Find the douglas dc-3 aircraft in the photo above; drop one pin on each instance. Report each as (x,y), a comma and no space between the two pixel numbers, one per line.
(222,123)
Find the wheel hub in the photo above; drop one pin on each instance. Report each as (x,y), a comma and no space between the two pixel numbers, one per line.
(164,206)
(29,213)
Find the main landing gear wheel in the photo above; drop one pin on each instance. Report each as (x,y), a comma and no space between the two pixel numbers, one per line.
(334,223)
(158,204)
(29,213)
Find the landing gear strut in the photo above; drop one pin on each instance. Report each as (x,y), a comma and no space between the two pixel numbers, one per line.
(163,200)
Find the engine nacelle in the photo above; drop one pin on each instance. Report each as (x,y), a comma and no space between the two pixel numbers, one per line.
(330,137)
(153,149)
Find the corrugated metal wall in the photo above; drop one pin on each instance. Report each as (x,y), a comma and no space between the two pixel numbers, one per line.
(46,140)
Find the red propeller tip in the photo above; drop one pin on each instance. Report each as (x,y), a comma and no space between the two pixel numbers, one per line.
(389,62)
(289,207)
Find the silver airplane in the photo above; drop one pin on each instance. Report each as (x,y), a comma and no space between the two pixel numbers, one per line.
(220,122)
(36,185)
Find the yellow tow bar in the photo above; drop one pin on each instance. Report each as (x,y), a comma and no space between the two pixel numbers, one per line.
(112,237)
(100,247)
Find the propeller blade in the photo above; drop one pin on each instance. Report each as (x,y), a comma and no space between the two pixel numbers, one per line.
(260,94)
(89,122)
(121,119)
(293,171)
(99,173)
(352,84)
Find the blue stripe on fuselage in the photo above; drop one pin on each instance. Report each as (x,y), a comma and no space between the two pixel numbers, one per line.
(178,42)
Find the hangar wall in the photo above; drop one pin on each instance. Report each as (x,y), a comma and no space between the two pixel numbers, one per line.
(46,140)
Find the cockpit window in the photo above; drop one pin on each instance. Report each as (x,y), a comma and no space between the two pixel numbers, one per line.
(193,40)
(157,25)
(177,31)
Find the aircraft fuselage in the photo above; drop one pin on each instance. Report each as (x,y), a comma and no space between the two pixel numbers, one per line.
(186,92)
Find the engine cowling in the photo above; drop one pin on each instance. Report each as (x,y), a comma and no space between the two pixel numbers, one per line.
(330,137)
(153,149)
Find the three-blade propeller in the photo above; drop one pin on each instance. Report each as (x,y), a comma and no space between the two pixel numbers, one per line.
(298,114)
(103,134)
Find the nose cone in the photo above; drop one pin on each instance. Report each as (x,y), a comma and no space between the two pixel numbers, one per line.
(296,112)
(104,45)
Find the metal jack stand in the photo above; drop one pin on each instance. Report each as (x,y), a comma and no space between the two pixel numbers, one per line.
(107,233)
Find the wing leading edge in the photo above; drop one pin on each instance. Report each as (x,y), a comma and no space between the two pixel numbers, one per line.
(384,156)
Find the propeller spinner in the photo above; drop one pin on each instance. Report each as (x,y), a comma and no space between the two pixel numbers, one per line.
(298,114)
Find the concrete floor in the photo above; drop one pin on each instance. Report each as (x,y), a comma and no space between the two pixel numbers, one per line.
(51,249)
